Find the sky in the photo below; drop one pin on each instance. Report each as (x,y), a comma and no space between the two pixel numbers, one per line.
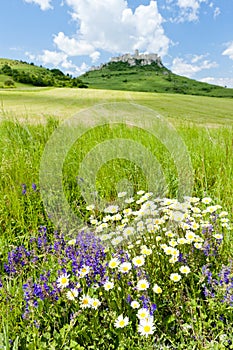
(194,38)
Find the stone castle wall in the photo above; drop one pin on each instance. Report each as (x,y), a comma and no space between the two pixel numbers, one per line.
(145,59)
(131,59)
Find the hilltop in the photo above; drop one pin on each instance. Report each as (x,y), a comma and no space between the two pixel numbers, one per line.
(14,73)
(137,72)
(146,73)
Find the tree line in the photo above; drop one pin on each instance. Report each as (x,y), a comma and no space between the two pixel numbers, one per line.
(45,77)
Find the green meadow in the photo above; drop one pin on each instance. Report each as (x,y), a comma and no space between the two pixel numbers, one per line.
(59,287)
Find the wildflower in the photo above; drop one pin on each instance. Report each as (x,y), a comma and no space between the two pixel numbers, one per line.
(72,294)
(146,327)
(223,213)
(107,218)
(218,236)
(95,303)
(94,222)
(113,263)
(138,260)
(135,304)
(117,240)
(173,259)
(129,200)
(146,251)
(125,267)
(224,220)
(108,285)
(190,236)
(72,242)
(140,193)
(198,245)
(121,322)
(142,284)
(168,250)
(63,281)
(85,301)
(206,200)
(175,277)
(173,243)
(182,240)
(127,211)
(90,207)
(116,217)
(84,271)
(143,313)
(157,289)
(121,194)
(128,231)
(184,269)
(195,226)
(112,209)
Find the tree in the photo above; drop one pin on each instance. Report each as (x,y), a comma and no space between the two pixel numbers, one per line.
(9,83)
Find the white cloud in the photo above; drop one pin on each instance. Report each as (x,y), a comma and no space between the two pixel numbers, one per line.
(219,81)
(229,51)
(59,59)
(95,56)
(188,10)
(182,67)
(44,4)
(217,12)
(113,27)
(52,57)
(71,46)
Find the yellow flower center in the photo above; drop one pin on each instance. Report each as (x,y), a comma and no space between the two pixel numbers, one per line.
(147,328)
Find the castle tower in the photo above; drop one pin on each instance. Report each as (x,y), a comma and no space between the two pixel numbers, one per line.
(136,53)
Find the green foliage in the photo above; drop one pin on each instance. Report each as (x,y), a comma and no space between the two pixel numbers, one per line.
(29,74)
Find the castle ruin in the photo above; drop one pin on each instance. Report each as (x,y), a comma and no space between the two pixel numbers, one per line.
(145,59)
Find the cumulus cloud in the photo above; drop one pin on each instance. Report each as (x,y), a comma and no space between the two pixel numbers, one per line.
(113,27)
(44,4)
(229,51)
(182,67)
(59,59)
(52,57)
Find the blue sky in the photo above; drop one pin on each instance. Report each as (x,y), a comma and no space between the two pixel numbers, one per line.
(193,37)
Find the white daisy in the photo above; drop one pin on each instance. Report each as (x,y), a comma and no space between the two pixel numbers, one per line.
(121,321)
(63,281)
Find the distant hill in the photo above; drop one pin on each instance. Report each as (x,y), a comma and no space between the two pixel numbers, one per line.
(15,73)
(139,73)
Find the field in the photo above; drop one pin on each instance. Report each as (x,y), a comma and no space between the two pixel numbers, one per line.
(90,257)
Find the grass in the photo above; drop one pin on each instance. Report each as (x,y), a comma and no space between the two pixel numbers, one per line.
(39,256)
(39,104)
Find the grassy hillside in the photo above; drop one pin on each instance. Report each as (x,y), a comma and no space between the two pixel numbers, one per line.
(40,103)
(14,74)
(149,78)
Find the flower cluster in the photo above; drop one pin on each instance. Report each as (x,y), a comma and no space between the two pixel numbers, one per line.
(219,286)
(131,259)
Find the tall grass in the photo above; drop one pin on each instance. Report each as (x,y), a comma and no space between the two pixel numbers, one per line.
(22,212)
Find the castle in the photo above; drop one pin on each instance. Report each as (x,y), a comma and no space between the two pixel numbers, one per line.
(145,59)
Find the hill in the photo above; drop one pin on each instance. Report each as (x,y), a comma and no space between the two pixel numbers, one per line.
(14,73)
(153,77)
